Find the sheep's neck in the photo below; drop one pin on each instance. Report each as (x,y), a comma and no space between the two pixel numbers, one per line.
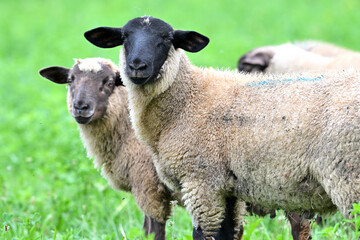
(170,102)
(107,139)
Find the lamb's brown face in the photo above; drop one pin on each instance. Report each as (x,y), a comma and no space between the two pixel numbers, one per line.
(90,92)
(90,87)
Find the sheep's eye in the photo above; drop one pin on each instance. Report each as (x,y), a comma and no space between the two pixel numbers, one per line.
(110,84)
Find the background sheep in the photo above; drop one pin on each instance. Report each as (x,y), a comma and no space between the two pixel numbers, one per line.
(291,143)
(98,102)
(323,48)
(305,56)
(318,56)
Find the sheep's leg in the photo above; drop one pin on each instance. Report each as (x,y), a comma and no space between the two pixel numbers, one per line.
(227,230)
(206,205)
(300,227)
(239,211)
(318,220)
(239,232)
(153,226)
(146,225)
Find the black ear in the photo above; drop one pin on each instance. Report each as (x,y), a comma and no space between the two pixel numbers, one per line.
(104,37)
(189,40)
(55,74)
(255,62)
(118,80)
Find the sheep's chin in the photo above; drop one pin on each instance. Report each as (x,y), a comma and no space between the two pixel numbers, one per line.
(83,120)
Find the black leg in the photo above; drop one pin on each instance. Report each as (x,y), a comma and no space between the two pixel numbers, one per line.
(198,234)
(300,227)
(227,229)
(146,225)
(153,226)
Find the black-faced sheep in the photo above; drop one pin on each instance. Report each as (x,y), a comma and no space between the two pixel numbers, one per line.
(298,57)
(290,142)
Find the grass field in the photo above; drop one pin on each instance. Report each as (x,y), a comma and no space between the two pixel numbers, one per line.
(49,189)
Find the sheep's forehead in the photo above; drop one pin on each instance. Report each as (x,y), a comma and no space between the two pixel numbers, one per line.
(146,20)
(149,23)
(90,65)
(95,65)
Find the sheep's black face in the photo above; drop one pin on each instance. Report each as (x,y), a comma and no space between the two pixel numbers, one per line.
(147,42)
(89,91)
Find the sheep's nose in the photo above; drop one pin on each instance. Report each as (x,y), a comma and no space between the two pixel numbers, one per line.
(80,107)
(137,66)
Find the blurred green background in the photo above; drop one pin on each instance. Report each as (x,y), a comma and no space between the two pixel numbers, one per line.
(49,189)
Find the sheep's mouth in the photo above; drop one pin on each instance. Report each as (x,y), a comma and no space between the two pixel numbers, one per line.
(138,77)
(83,120)
(139,80)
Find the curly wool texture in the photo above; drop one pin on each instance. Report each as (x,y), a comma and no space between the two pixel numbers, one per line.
(125,162)
(291,145)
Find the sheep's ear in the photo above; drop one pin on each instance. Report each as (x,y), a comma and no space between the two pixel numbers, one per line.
(55,74)
(255,62)
(118,80)
(104,37)
(189,40)
(261,59)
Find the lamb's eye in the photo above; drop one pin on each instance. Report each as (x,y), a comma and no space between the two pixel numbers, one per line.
(110,84)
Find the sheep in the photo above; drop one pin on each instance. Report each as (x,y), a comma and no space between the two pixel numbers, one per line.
(298,58)
(287,142)
(323,48)
(98,102)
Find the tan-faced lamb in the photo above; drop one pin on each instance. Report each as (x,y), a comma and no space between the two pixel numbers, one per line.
(98,102)
(298,57)
(287,142)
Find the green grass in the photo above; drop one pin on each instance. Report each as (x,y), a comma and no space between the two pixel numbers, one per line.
(49,189)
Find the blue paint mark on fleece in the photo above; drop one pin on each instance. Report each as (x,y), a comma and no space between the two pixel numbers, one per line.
(274,82)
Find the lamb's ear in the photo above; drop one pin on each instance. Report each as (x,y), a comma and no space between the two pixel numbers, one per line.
(55,74)
(118,80)
(104,37)
(189,40)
